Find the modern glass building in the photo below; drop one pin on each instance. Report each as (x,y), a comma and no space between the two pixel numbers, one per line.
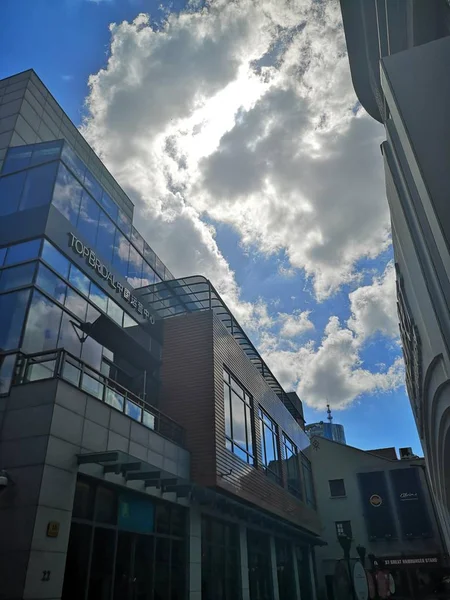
(399,53)
(146,449)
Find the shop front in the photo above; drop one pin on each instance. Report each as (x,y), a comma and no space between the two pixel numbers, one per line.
(124,546)
(417,577)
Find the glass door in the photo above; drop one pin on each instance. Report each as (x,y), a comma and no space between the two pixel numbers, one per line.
(134,567)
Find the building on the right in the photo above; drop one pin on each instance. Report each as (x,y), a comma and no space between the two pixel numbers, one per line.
(399,53)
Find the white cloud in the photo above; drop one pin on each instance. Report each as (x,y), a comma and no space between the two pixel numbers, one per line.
(373,307)
(331,373)
(295,324)
(243,112)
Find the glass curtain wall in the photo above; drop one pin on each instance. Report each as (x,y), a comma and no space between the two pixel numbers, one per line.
(122,546)
(220,560)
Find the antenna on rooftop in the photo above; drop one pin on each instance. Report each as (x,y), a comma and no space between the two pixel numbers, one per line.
(330,417)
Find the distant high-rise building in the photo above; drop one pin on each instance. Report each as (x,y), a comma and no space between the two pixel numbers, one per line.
(330,430)
(399,53)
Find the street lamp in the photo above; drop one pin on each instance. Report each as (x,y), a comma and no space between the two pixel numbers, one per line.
(362,554)
(346,543)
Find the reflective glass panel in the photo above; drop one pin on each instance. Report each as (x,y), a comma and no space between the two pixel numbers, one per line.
(10,192)
(51,284)
(79,280)
(88,219)
(238,420)
(105,238)
(91,353)
(148,275)
(12,313)
(115,312)
(2,255)
(149,255)
(42,327)
(38,187)
(76,304)
(46,152)
(67,194)
(55,259)
(75,164)
(23,252)
(124,223)
(15,277)
(134,275)
(93,186)
(137,239)
(17,158)
(68,338)
(121,253)
(110,206)
(98,297)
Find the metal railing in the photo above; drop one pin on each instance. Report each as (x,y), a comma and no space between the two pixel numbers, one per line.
(19,368)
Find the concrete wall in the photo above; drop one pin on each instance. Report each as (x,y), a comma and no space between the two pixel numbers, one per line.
(44,426)
(336,461)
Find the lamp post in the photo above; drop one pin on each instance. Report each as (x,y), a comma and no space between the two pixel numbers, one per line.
(346,543)
(362,554)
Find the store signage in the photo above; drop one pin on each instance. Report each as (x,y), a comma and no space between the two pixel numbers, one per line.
(102,270)
(376,500)
(411,561)
(360,582)
(408,496)
(53,529)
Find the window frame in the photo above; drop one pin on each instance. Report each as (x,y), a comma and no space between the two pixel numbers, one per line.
(345,527)
(332,495)
(288,445)
(274,429)
(247,400)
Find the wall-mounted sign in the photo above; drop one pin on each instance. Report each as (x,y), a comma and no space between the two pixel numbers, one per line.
(411,561)
(102,270)
(53,529)
(376,500)
(412,506)
(360,582)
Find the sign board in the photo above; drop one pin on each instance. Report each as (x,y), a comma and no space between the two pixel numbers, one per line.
(411,503)
(136,514)
(411,561)
(360,582)
(53,529)
(378,513)
(102,270)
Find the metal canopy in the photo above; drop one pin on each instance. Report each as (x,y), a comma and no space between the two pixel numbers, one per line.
(196,293)
(133,469)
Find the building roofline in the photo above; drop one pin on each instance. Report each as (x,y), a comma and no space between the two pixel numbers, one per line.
(366,452)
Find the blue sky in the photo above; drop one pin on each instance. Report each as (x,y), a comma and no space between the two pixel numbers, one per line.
(244,144)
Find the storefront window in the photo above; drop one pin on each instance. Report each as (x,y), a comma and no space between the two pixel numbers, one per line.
(260,566)
(12,314)
(220,560)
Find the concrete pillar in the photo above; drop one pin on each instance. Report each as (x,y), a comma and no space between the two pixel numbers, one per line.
(296,577)
(245,585)
(195,554)
(273,560)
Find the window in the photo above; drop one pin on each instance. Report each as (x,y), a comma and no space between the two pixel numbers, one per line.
(134,275)
(38,186)
(67,195)
(45,152)
(22,252)
(309,483)
(238,419)
(12,313)
(124,223)
(220,559)
(16,276)
(55,259)
(51,283)
(79,280)
(42,328)
(74,163)
(270,446)
(93,185)
(88,219)
(105,238)
(337,488)
(121,253)
(344,528)
(290,456)
(10,192)
(17,158)
(110,206)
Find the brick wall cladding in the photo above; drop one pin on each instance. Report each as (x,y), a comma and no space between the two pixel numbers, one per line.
(196,347)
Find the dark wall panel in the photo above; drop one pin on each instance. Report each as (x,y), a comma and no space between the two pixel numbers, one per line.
(411,504)
(376,505)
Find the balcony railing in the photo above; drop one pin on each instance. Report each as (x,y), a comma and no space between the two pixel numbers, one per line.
(18,369)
